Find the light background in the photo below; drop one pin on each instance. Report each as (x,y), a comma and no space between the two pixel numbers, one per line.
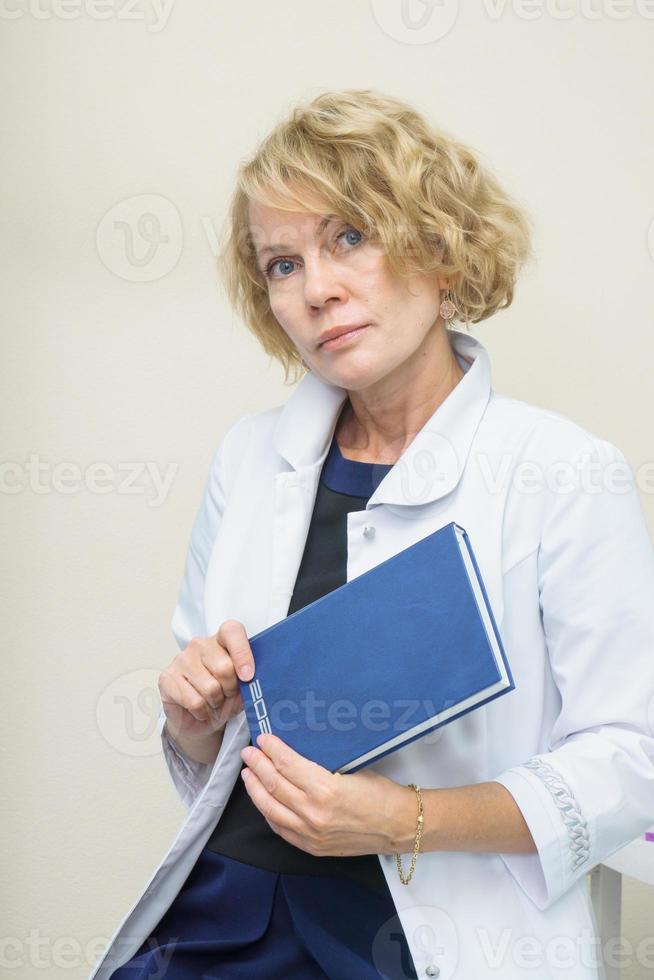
(117,360)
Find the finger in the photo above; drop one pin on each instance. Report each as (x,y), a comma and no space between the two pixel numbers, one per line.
(274,783)
(272,809)
(219,666)
(296,768)
(184,694)
(233,637)
(194,673)
(208,668)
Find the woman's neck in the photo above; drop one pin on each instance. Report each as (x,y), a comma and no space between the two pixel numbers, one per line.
(381,437)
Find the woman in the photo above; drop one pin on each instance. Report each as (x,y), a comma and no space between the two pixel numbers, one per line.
(359,236)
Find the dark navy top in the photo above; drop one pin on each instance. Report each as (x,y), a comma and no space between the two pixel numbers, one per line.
(242,832)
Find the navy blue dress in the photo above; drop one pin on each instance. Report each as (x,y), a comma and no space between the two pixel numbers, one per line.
(254,905)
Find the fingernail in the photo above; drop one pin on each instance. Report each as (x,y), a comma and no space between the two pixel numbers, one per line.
(246,673)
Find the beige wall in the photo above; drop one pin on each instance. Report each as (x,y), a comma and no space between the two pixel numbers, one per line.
(121,351)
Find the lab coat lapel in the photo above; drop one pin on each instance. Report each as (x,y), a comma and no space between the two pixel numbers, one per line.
(433,462)
(302,438)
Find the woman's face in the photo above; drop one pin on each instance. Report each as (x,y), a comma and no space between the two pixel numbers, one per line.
(321,273)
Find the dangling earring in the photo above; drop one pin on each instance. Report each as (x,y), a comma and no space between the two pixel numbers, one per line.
(447,307)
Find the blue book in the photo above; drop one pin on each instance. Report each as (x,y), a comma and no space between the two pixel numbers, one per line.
(389,656)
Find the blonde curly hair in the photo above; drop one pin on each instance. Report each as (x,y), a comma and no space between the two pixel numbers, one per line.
(378,164)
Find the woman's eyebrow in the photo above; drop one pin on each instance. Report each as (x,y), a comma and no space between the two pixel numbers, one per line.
(281,247)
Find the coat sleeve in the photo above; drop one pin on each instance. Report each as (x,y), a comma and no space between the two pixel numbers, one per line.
(592,792)
(188,776)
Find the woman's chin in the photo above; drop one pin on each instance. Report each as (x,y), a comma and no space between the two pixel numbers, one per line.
(354,377)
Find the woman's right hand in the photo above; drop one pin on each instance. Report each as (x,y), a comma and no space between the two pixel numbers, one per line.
(199,690)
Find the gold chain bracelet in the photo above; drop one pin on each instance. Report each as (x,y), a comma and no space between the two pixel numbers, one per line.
(416,846)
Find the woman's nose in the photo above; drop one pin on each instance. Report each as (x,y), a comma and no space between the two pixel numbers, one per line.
(322,282)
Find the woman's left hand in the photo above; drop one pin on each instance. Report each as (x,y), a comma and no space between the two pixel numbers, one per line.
(322,813)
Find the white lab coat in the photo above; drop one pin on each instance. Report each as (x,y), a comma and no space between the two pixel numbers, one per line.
(570,577)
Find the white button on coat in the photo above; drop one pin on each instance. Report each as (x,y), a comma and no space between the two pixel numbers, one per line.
(570,578)
(369,531)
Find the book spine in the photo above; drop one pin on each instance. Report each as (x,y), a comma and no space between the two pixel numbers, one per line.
(466,541)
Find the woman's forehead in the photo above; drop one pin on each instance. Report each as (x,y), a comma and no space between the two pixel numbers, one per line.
(273,227)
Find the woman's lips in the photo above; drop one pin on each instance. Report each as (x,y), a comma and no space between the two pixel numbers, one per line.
(344,338)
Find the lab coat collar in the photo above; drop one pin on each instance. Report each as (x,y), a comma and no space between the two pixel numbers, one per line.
(430,466)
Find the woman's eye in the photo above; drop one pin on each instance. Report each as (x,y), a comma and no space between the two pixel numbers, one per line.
(351,231)
(268,272)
